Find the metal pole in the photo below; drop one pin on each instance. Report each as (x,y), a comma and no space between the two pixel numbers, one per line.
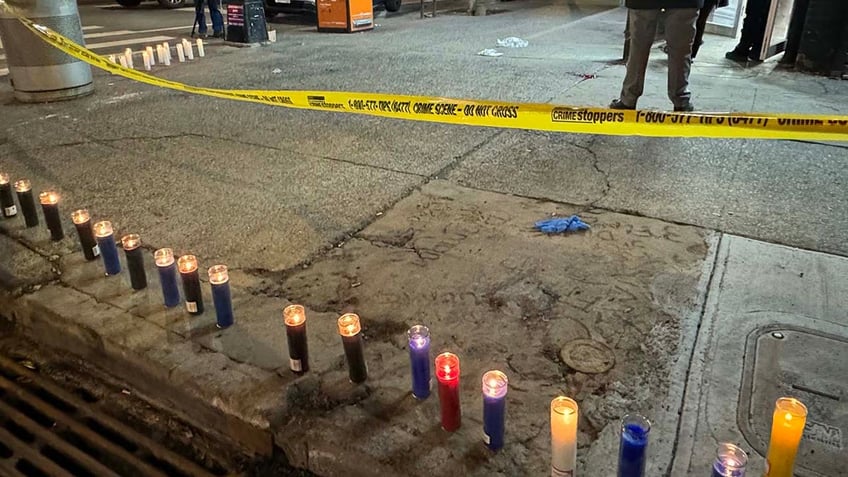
(39,72)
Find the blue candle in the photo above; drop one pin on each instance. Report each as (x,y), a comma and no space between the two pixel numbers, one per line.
(220,280)
(419,358)
(730,461)
(105,236)
(167,266)
(495,386)
(633,452)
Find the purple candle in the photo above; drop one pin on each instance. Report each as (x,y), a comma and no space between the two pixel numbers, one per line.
(419,359)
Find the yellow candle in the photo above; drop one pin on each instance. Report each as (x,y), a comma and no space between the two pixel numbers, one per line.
(787,425)
(564,413)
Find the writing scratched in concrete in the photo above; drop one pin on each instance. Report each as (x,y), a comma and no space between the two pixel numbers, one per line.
(822,433)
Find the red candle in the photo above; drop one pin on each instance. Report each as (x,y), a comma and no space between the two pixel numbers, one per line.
(447,372)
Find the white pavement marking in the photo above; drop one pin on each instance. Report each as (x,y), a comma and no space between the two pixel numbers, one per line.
(4,71)
(91,27)
(109,33)
(133,41)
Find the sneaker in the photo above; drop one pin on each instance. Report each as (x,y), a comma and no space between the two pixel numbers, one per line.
(218,34)
(200,34)
(686,108)
(617,104)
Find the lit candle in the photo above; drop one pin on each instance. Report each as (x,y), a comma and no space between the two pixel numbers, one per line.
(201,52)
(167,266)
(350,331)
(128,54)
(447,372)
(730,461)
(50,207)
(105,236)
(160,53)
(149,51)
(219,278)
(187,265)
(189,50)
(294,317)
(495,386)
(145,57)
(123,61)
(564,416)
(633,450)
(24,189)
(166,50)
(181,52)
(112,59)
(135,261)
(7,200)
(787,426)
(82,222)
(419,358)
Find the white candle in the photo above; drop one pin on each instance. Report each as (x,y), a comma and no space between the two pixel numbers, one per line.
(146,58)
(564,414)
(128,54)
(150,55)
(166,55)
(180,53)
(160,55)
(272,36)
(200,51)
(189,50)
(112,59)
(123,60)
(167,48)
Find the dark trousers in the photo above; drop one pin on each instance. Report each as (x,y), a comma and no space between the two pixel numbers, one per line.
(214,12)
(796,30)
(679,31)
(701,25)
(754,27)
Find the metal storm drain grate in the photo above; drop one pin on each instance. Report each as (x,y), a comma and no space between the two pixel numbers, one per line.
(810,366)
(48,431)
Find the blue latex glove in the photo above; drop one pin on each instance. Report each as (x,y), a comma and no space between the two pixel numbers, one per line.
(560,225)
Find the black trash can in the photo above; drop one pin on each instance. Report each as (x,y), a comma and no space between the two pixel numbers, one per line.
(825,38)
(246,21)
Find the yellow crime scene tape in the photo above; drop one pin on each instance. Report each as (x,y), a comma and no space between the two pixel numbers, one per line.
(497,114)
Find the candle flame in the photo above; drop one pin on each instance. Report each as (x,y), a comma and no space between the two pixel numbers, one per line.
(187,263)
(4,178)
(294,315)
(349,324)
(80,216)
(103,228)
(23,185)
(218,274)
(131,241)
(48,198)
(787,416)
(163,257)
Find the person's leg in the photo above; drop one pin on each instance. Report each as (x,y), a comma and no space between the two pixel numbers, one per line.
(643,27)
(749,25)
(199,17)
(217,18)
(796,30)
(759,28)
(701,25)
(679,33)
(626,52)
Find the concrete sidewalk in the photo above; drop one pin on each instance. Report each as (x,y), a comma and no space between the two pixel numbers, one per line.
(667,306)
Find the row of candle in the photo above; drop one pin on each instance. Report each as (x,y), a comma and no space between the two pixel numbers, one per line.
(788,419)
(731,461)
(99,241)
(184,49)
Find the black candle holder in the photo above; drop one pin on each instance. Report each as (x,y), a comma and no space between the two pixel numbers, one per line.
(7,199)
(187,265)
(50,207)
(24,189)
(131,244)
(82,222)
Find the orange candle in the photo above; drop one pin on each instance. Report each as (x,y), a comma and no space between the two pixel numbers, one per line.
(787,426)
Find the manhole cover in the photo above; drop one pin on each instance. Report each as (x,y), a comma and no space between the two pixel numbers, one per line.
(810,366)
(587,356)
